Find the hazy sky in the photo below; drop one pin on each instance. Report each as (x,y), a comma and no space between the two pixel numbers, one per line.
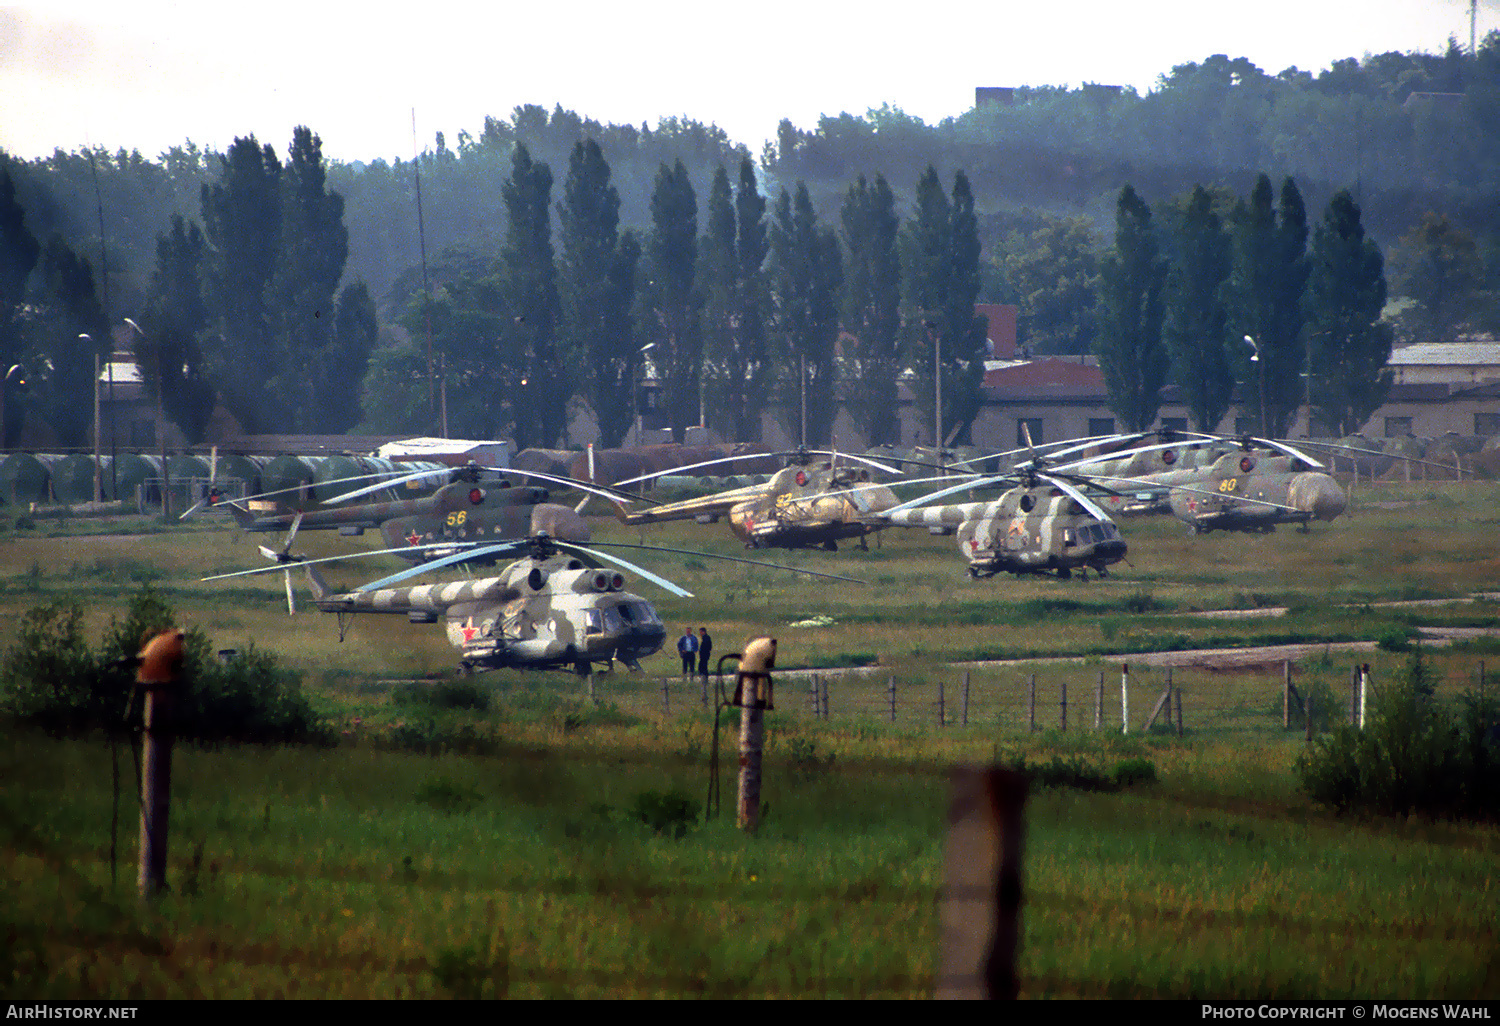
(150,75)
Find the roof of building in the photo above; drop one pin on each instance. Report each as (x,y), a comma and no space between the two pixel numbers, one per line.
(1447,354)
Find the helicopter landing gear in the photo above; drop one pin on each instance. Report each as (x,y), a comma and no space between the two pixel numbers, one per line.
(465,668)
(1064,573)
(1083,574)
(830,546)
(583,668)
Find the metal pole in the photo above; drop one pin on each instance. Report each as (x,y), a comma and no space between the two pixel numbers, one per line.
(752,745)
(1286,695)
(966,692)
(1031,704)
(1364,687)
(160,664)
(1064,707)
(942,711)
(1124,698)
(666,698)
(1099,703)
(1178,696)
(890,694)
(823,685)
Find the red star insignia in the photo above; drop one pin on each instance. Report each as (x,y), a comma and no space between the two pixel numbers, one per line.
(469,630)
(413,538)
(973,544)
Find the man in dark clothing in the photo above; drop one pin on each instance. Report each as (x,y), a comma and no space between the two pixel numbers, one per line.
(687,647)
(705,649)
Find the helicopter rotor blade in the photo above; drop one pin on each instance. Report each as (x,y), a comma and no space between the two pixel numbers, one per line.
(291,595)
(277,561)
(660,582)
(945,492)
(469,555)
(715,555)
(1079,497)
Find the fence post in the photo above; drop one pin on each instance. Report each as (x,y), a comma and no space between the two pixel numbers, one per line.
(812,690)
(704,680)
(823,686)
(1031,705)
(1124,698)
(942,709)
(1354,695)
(158,675)
(890,695)
(1179,709)
(1063,703)
(1286,695)
(1099,703)
(966,691)
(1364,687)
(666,698)
(1307,710)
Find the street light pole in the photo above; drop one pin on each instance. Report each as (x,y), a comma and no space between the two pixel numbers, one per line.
(1255,359)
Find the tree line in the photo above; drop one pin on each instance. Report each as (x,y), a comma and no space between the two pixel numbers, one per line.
(1230,290)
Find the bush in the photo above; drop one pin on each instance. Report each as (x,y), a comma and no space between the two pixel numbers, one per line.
(669,814)
(1135,771)
(448,694)
(1412,756)
(1395,639)
(51,678)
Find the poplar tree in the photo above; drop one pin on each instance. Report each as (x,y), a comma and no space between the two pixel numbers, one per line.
(1195,316)
(540,383)
(242,225)
(61,362)
(19,251)
(1131,354)
(596,285)
(940,282)
(872,309)
(750,368)
(175,316)
(1349,345)
(806,274)
(718,277)
(670,302)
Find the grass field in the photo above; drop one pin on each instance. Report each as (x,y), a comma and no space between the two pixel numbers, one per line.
(502,850)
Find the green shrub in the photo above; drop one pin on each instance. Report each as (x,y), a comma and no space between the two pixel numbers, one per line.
(52,679)
(669,813)
(1395,639)
(1072,771)
(1135,771)
(1413,755)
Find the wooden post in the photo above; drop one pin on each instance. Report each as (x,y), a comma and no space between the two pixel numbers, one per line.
(823,686)
(753,689)
(1164,702)
(1099,703)
(1364,687)
(1286,695)
(1031,704)
(704,685)
(812,693)
(1179,711)
(1124,698)
(159,674)
(942,711)
(666,698)
(966,691)
(1063,708)
(890,695)
(981,898)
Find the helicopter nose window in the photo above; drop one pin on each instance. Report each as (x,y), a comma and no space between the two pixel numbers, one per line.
(612,621)
(645,613)
(625,613)
(594,622)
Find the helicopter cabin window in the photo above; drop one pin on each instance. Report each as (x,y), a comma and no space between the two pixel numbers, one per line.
(1397,427)
(1174,424)
(1486,424)
(645,613)
(594,623)
(1101,426)
(1031,424)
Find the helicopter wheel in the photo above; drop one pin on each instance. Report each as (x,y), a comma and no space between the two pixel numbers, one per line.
(582,668)
(1064,574)
(1083,574)
(465,668)
(1102,572)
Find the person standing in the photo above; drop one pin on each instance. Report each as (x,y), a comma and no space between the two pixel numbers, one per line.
(687,647)
(705,649)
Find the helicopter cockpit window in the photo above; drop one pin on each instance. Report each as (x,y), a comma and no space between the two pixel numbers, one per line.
(594,622)
(626,613)
(645,613)
(612,620)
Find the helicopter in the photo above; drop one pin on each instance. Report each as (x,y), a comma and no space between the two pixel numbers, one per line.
(476,504)
(1042,524)
(1254,487)
(810,502)
(556,607)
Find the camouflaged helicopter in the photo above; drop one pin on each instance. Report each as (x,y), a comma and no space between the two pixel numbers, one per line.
(811,502)
(1043,524)
(1257,485)
(477,504)
(557,607)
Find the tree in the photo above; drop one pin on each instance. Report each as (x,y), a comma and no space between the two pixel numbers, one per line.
(940,282)
(528,278)
(1053,271)
(1195,318)
(596,285)
(175,317)
(68,333)
(806,271)
(749,366)
(314,247)
(1131,354)
(19,251)
(718,277)
(1437,267)
(356,333)
(1349,345)
(670,301)
(872,309)
(242,224)
(1263,298)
